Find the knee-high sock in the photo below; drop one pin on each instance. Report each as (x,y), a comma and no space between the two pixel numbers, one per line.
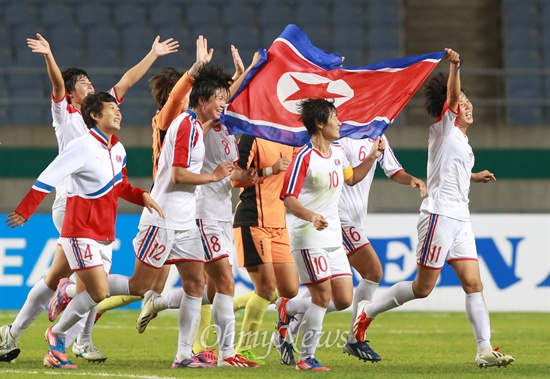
(37,299)
(364,291)
(297,306)
(224,318)
(203,332)
(170,300)
(115,302)
(253,316)
(397,295)
(311,329)
(74,331)
(189,319)
(86,335)
(118,285)
(77,309)
(477,312)
(240,301)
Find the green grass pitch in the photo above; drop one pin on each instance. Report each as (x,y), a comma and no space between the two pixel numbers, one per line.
(412,345)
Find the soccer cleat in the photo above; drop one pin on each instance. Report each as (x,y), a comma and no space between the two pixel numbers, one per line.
(311,364)
(59,300)
(192,362)
(237,360)
(362,321)
(52,362)
(491,358)
(57,345)
(89,352)
(250,356)
(361,350)
(207,356)
(147,311)
(8,345)
(285,349)
(284,318)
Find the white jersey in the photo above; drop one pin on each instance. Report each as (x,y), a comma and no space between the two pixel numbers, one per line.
(450,163)
(316,181)
(355,199)
(183,146)
(214,199)
(68,125)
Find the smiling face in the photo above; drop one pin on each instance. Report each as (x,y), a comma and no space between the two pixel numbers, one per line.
(466,116)
(82,87)
(213,107)
(108,121)
(331,130)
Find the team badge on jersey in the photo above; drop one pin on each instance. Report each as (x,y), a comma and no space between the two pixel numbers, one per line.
(119,158)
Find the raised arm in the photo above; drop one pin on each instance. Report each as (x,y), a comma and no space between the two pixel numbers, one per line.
(133,75)
(237,83)
(453,84)
(41,46)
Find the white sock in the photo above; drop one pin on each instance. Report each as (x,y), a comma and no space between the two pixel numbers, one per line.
(397,295)
(118,285)
(189,319)
(364,291)
(72,334)
(295,325)
(297,306)
(311,329)
(477,313)
(37,299)
(77,309)
(86,335)
(71,290)
(332,307)
(224,319)
(205,299)
(170,300)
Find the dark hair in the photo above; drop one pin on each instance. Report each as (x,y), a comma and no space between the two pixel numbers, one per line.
(210,78)
(435,94)
(161,84)
(93,105)
(315,111)
(71,76)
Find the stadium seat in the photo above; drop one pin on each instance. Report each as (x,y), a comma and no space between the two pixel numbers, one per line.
(273,14)
(19,13)
(27,113)
(348,13)
(93,14)
(313,13)
(129,14)
(67,43)
(243,36)
(56,14)
(384,13)
(205,13)
(166,14)
(238,12)
(270,33)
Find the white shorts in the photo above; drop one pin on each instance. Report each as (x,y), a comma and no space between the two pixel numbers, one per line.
(217,240)
(442,239)
(86,253)
(156,246)
(353,237)
(318,265)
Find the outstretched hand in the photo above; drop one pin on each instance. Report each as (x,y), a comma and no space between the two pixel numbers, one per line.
(238,62)
(484,176)
(15,219)
(39,45)
(166,47)
(203,56)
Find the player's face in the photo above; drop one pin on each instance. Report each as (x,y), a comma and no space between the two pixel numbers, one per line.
(212,109)
(466,116)
(82,88)
(331,131)
(109,120)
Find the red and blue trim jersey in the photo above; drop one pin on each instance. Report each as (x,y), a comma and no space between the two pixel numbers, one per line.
(316,181)
(97,179)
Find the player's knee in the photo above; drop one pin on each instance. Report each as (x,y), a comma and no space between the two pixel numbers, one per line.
(342,303)
(98,294)
(422,292)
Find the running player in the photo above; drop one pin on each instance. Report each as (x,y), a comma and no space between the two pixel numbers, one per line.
(311,192)
(69,88)
(96,166)
(444,230)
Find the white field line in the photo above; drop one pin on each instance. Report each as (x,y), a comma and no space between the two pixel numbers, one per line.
(83,373)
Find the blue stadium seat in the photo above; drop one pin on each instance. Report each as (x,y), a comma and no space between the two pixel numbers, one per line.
(313,13)
(137,113)
(129,14)
(523,36)
(269,34)
(165,14)
(205,13)
(66,42)
(384,12)
(276,13)
(29,114)
(244,36)
(19,13)
(349,13)
(93,14)
(56,14)
(135,43)
(238,12)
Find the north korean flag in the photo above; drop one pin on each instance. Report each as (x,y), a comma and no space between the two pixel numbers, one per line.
(368,98)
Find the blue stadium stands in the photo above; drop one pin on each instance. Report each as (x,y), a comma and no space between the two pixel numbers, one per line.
(112,36)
